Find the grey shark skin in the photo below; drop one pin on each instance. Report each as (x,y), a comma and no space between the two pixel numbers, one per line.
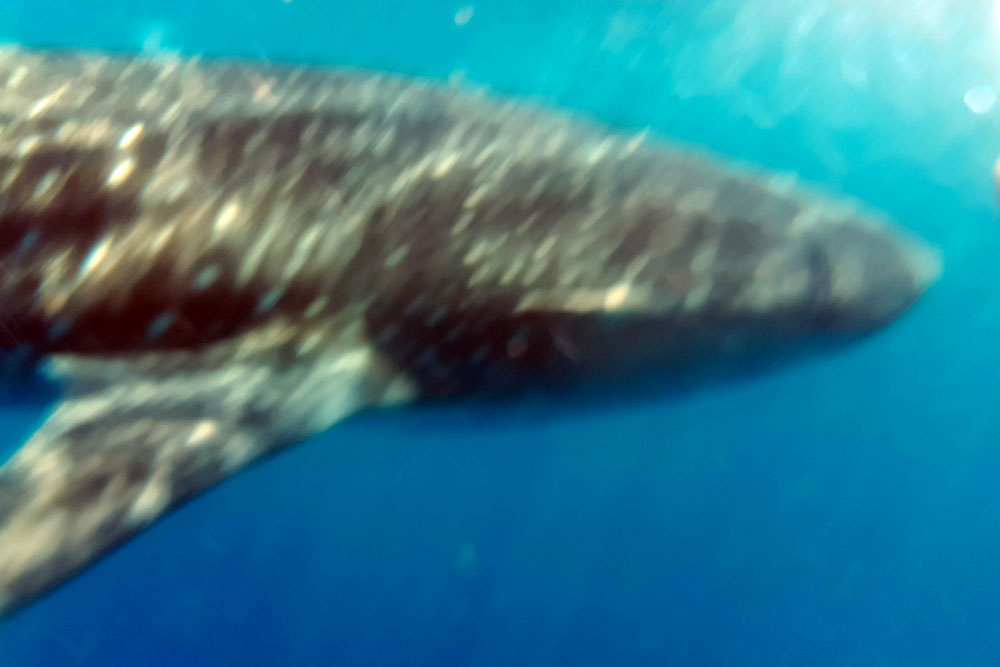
(219,260)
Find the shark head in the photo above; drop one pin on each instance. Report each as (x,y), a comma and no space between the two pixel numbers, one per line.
(653,258)
(876,273)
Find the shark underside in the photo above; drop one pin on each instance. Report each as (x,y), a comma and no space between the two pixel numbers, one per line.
(217,260)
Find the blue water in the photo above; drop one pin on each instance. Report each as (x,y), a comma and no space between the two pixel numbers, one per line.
(841,511)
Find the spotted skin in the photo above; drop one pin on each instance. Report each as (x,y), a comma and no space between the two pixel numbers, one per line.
(219,259)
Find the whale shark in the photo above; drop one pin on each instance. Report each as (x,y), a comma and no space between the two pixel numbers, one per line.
(216,259)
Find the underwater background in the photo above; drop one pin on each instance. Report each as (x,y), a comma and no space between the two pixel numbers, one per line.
(844,510)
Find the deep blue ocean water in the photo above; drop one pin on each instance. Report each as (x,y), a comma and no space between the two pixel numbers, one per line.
(844,510)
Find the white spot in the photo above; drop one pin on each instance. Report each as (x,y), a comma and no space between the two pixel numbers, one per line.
(98,252)
(24,545)
(121,172)
(17,77)
(512,271)
(237,452)
(45,183)
(9,177)
(227,214)
(150,502)
(698,295)
(633,144)
(41,105)
(546,247)
(476,196)
(254,255)
(207,277)
(203,431)
(636,266)
(445,165)
(262,89)
(172,113)
(475,253)
(463,223)
(400,390)
(597,153)
(49,465)
(302,249)
(483,273)
(980,99)
(310,343)
(317,306)
(160,240)
(464,15)
(27,146)
(268,301)
(130,136)
(615,297)
(160,325)
(396,256)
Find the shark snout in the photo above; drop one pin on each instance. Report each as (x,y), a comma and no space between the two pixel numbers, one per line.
(876,273)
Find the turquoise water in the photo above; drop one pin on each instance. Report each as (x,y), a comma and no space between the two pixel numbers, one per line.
(839,511)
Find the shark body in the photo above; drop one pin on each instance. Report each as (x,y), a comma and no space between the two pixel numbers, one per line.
(219,259)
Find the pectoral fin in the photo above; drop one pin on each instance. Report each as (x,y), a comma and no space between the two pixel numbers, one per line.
(140,435)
